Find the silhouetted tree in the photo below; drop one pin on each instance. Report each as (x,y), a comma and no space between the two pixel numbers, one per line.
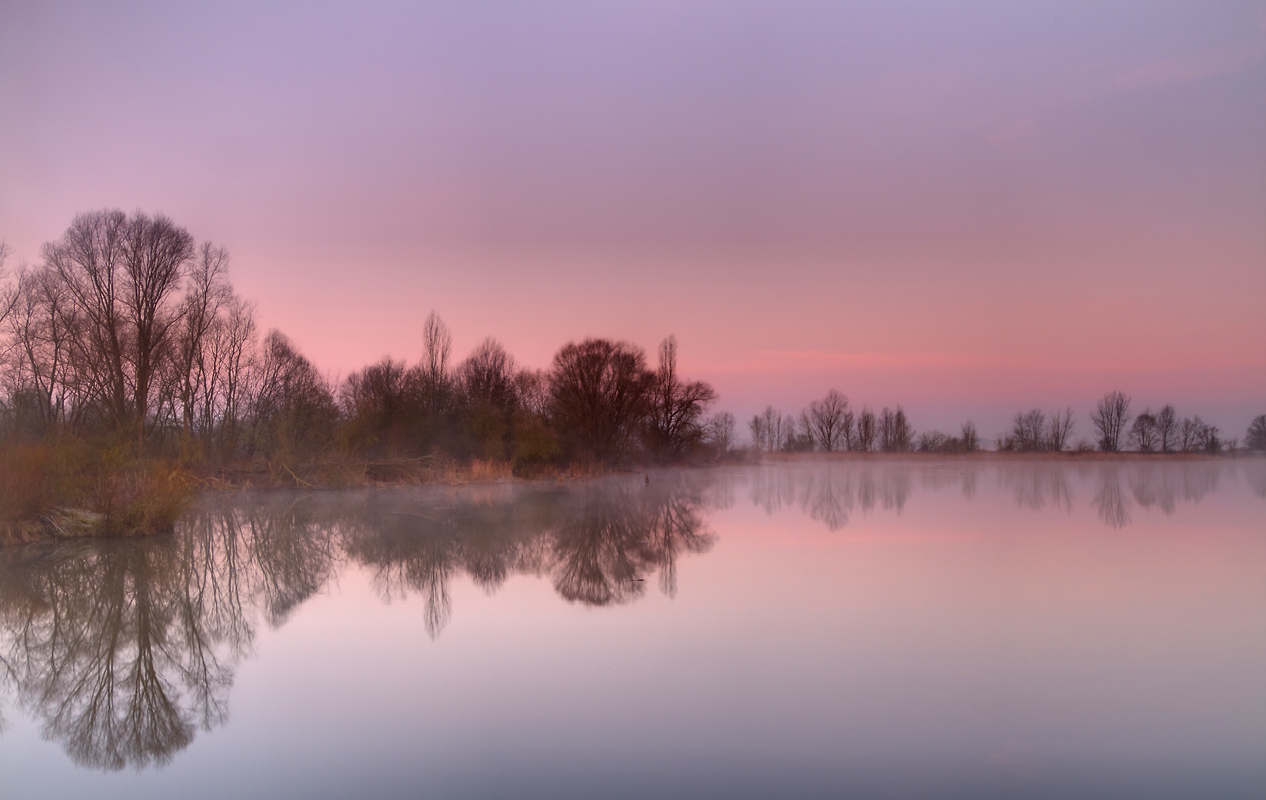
(799,434)
(1028,431)
(934,442)
(1208,438)
(375,402)
(8,294)
(970,441)
(1110,418)
(600,391)
(1255,438)
(1196,434)
(756,425)
(676,407)
(829,421)
(433,373)
(895,433)
(486,380)
(1143,432)
(720,431)
(292,409)
(1167,428)
(1059,430)
(40,375)
(771,429)
(122,275)
(866,430)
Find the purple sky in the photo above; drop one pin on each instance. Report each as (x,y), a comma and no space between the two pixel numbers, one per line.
(968,208)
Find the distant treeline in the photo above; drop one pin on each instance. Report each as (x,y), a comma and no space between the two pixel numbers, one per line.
(832,424)
(129,336)
(125,351)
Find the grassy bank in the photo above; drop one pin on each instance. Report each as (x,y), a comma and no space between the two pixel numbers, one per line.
(59,489)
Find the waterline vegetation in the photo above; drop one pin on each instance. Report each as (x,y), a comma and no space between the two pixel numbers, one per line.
(132,374)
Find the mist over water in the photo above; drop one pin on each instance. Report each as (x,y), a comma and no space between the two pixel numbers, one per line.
(883,627)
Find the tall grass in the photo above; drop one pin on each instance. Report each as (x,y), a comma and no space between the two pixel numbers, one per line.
(27,485)
(105,490)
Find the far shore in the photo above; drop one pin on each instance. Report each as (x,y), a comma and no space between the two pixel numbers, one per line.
(62,524)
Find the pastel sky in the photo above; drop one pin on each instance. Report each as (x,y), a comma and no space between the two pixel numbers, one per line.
(969,208)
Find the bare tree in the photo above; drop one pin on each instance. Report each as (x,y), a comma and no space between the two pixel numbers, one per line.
(1059,430)
(866,430)
(531,387)
(1143,432)
(720,431)
(895,433)
(759,432)
(374,400)
(826,421)
(775,426)
(1110,418)
(193,368)
(122,274)
(487,375)
(1028,431)
(8,294)
(39,372)
(1189,433)
(970,441)
(292,409)
(600,391)
(1167,428)
(1208,438)
(437,343)
(1255,438)
(676,406)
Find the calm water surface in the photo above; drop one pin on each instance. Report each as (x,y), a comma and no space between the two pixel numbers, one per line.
(909,628)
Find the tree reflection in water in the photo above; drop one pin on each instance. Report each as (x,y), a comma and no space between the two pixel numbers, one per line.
(831,491)
(124,649)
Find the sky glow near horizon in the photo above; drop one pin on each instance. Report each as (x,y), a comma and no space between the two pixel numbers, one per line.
(966,208)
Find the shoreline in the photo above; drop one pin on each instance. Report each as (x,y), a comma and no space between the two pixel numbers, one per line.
(67,524)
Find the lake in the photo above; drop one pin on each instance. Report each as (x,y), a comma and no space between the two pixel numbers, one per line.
(904,627)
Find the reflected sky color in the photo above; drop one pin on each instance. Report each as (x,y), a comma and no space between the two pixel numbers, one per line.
(955,627)
(966,207)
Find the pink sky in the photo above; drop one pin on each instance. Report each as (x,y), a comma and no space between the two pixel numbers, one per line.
(967,208)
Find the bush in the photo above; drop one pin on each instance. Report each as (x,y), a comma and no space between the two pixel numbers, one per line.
(27,487)
(144,498)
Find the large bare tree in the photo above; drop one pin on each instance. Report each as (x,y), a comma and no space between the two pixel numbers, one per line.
(437,345)
(1255,437)
(676,407)
(1110,418)
(830,421)
(1143,433)
(123,275)
(600,392)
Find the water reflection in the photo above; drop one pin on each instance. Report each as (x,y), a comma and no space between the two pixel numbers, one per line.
(124,650)
(831,492)
(115,649)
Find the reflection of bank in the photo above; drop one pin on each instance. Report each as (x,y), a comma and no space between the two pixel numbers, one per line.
(125,649)
(108,650)
(596,542)
(1158,485)
(831,493)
